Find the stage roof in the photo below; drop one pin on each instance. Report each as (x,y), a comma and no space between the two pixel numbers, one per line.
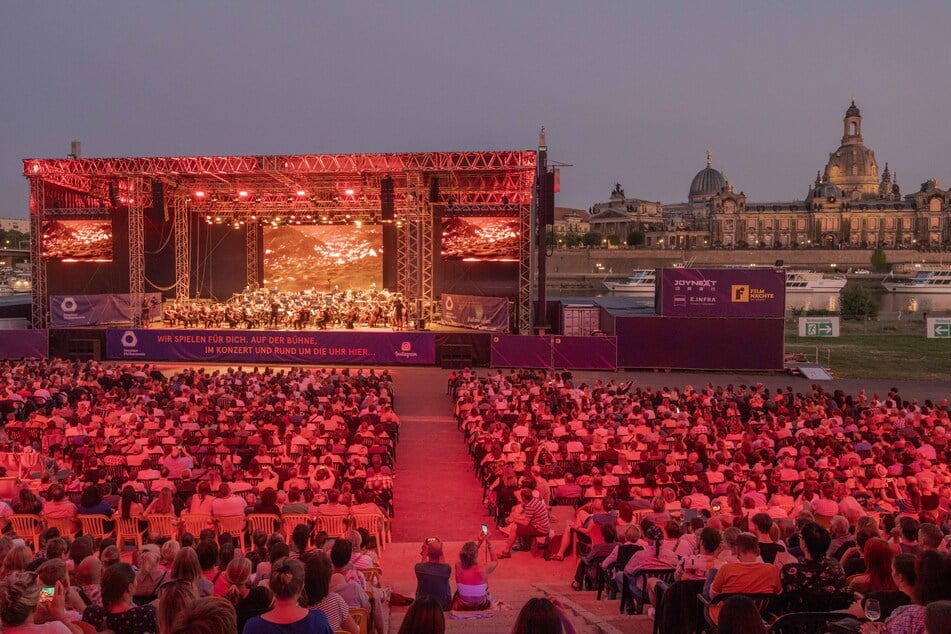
(490,179)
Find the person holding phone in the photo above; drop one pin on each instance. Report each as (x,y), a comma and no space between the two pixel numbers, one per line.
(432,573)
(472,577)
(19,597)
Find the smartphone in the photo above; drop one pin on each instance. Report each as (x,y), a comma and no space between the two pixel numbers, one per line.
(485,529)
(46,594)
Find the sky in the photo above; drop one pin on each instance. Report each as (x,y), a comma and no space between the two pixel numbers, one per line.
(630,92)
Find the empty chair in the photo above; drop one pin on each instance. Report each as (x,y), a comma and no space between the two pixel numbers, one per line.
(28,528)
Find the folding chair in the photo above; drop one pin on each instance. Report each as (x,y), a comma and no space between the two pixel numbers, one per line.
(27,527)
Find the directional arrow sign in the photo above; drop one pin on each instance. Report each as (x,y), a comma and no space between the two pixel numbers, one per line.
(821,329)
(942,330)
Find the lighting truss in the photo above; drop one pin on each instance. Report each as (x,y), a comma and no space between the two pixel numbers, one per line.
(182,260)
(40,311)
(136,253)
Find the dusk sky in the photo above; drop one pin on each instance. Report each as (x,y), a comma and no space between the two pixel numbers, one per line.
(629,92)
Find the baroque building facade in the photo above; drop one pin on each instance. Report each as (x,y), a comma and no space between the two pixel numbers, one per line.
(849,205)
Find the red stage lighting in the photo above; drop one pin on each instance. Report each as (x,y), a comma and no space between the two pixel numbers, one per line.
(301,192)
(199,194)
(348,192)
(243,194)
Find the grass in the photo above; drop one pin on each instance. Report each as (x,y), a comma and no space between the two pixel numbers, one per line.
(877,350)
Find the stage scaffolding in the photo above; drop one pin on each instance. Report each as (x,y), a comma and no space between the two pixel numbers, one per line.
(252,191)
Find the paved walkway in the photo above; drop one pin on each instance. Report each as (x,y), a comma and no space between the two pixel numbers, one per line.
(436,492)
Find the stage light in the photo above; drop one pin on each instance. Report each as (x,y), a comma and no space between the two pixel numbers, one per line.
(348,192)
(358,224)
(243,194)
(301,192)
(199,194)
(214,198)
(258,198)
(290,199)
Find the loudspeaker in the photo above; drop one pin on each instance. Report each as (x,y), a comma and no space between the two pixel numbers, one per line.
(387,212)
(434,189)
(546,198)
(114,193)
(158,201)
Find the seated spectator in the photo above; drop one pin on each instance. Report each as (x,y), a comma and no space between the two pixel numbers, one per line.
(118,612)
(318,570)
(472,578)
(248,600)
(815,573)
(532,521)
(433,573)
(747,574)
(19,598)
(286,615)
(542,615)
(425,616)
(207,615)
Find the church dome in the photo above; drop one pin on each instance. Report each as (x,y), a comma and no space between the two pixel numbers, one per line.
(708,182)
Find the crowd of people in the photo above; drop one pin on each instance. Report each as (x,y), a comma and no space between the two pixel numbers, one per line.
(206,451)
(820,501)
(292,310)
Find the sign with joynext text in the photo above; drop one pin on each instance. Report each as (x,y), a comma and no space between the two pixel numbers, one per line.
(757,293)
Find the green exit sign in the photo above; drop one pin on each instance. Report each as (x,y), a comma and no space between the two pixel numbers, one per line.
(818,326)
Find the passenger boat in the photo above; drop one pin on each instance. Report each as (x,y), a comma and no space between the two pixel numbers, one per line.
(813,282)
(925,282)
(641,282)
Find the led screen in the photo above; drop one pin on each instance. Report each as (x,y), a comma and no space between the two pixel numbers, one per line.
(77,240)
(321,257)
(478,238)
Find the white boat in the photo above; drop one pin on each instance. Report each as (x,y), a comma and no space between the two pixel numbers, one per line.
(813,282)
(641,282)
(925,282)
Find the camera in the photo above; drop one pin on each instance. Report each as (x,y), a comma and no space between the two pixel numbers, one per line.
(485,529)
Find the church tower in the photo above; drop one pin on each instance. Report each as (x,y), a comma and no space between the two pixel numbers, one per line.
(852,168)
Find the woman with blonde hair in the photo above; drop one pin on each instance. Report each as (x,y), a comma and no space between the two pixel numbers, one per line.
(149,577)
(162,505)
(248,601)
(168,554)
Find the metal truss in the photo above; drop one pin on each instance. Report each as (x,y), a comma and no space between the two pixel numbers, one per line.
(75,213)
(63,171)
(40,311)
(526,260)
(136,250)
(182,251)
(251,254)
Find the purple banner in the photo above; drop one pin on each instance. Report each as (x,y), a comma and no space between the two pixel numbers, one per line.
(25,344)
(521,351)
(723,293)
(67,311)
(269,346)
(700,344)
(473,311)
(584,353)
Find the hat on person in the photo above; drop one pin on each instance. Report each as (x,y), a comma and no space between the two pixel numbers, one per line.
(880,470)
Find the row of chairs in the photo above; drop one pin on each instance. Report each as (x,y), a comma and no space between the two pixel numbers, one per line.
(31,527)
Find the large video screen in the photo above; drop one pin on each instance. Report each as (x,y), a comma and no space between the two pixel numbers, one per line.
(77,240)
(321,257)
(480,238)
